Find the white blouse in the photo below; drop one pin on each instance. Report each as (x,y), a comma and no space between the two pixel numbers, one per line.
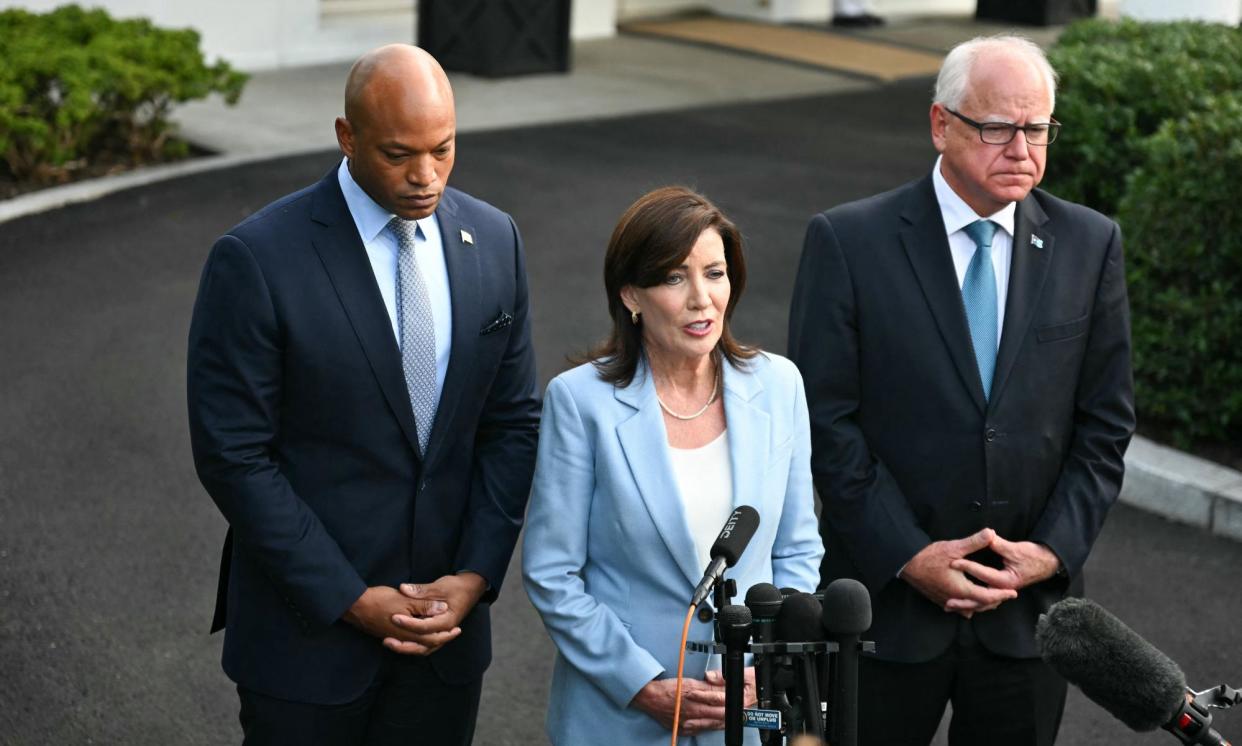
(705,483)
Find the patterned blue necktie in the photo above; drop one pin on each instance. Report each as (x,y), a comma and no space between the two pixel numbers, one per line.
(979,295)
(418,331)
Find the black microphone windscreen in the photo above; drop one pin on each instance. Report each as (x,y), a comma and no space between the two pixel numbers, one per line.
(736,534)
(1115,667)
(847,607)
(734,623)
(764,600)
(800,619)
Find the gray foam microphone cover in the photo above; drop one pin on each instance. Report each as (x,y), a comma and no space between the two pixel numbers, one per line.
(1115,667)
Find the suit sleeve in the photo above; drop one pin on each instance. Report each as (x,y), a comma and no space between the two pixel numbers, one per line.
(1103,424)
(234,390)
(862,502)
(797,551)
(504,453)
(588,634)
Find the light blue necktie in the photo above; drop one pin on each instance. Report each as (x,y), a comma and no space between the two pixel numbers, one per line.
(979,295)
(418,331)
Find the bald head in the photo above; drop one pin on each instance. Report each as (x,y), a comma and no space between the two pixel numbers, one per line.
(395,70)
(399,129)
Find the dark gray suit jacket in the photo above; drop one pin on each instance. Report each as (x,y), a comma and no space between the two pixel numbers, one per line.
(906,448)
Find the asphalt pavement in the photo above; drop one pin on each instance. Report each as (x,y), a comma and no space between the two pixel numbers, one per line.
(108,545)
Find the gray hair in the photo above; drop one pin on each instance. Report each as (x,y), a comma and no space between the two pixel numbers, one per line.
(953,82)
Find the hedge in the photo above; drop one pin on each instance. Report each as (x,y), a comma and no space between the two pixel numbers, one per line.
(1119,81)
(1182,218)
(77,85)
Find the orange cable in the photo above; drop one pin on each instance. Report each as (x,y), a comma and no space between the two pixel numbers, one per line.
(681,667)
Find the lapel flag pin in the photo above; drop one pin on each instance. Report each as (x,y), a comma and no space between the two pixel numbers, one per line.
(466,237)
(1036,241)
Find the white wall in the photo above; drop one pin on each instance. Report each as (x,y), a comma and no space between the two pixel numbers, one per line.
(264,34)
(259,34)
(1228,12)
(593,19)
(779,11)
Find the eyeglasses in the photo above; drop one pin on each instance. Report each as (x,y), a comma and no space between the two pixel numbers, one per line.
(1002,133)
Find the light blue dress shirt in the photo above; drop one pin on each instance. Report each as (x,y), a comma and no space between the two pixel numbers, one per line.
(381,245)
(957,215)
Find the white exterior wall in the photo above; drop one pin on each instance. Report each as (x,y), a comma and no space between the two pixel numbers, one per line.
(1228,12)
(265,34)
(780,11)
(261,34)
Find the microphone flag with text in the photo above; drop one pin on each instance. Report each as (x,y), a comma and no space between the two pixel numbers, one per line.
(728,547)
(1126,675)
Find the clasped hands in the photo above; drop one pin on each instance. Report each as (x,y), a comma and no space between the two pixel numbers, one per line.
(702,701)
(417,618)
(942,573)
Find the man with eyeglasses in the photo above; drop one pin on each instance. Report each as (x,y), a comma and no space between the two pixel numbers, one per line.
(965,345)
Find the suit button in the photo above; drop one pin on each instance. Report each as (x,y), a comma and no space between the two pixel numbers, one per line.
(976,506)
(705,614)
(990,434)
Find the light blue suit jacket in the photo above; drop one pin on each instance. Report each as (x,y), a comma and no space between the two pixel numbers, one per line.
(608,558)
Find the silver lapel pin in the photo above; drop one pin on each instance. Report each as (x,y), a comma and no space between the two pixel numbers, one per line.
(466,237)
(1036,241)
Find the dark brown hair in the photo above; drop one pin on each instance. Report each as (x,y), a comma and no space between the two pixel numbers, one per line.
(654,237)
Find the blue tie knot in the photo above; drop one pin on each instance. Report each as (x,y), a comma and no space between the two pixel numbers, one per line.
(406,231)
(981,232)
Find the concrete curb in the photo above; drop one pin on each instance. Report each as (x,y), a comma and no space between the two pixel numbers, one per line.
(91,189)
(1183,488)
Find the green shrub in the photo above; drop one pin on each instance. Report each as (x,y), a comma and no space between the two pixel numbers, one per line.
(77,85)
(1118,83)
(1183,229)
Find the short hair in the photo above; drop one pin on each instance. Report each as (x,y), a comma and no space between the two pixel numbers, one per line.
(953,82)
(652,238)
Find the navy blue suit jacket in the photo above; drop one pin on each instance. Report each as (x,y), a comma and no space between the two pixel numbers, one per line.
(304,436)
(906,448)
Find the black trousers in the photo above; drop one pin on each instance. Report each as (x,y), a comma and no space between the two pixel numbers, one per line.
(996,700)
(406,705)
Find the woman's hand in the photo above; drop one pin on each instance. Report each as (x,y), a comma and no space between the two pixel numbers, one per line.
(750,695)
(702,704)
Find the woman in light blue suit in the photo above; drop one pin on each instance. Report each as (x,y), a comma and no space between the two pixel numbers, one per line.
(643,454)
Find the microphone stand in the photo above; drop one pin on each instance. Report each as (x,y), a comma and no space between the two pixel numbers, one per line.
(722,595)
(735,625)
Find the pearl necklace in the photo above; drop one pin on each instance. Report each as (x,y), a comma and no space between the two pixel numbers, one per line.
(671,413)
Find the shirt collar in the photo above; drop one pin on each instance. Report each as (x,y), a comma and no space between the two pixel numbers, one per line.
(369,217)
(957,214)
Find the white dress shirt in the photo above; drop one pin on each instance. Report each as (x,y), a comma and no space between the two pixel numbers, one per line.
(382,248)
(957,215)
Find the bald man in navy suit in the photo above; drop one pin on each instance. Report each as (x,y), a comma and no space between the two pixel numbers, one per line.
(363,411)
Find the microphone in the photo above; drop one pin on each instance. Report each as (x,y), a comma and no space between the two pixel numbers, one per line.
(801,620)
(847,614)
(764,601)
(735,633)
(1121,672)
(734,537)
